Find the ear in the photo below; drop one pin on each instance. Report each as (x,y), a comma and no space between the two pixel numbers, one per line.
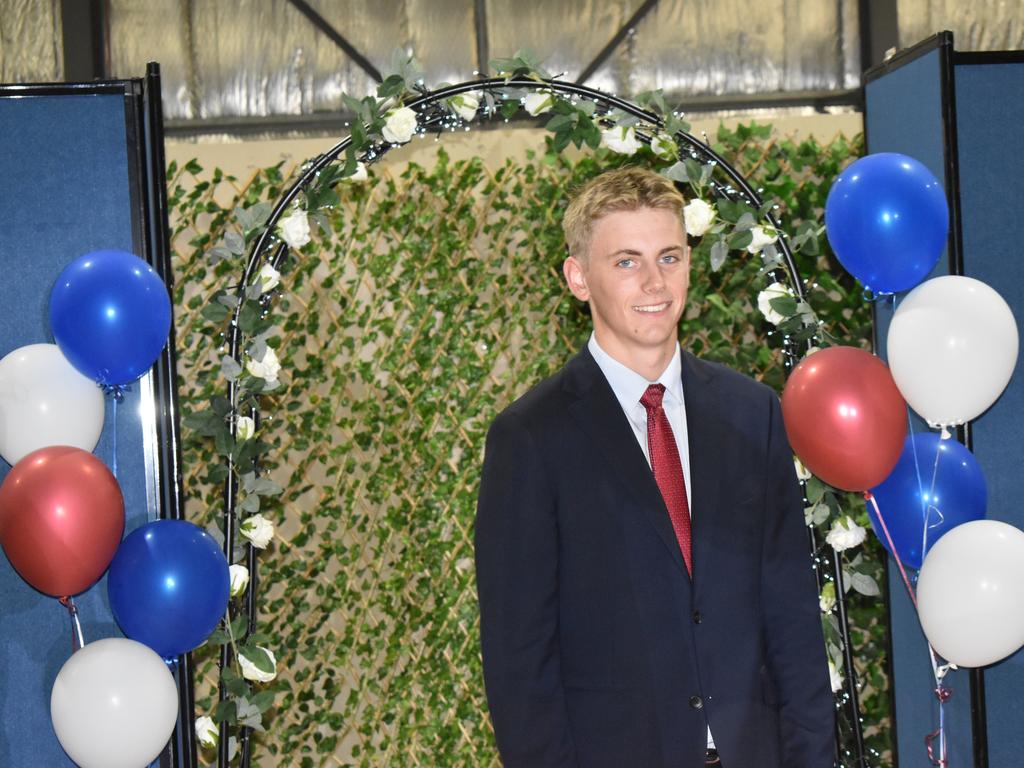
(576,278)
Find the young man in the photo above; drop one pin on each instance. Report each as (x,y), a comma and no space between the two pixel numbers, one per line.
(646,597)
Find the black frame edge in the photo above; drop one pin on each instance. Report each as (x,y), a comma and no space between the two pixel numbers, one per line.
(183,749)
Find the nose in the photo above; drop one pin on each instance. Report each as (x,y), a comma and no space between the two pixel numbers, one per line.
(653,280)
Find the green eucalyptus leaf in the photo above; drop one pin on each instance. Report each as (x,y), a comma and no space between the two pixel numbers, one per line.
(226,712)
(784,305)
(719,253)
(234,242)
(229,368)
(677,172)
(864,584)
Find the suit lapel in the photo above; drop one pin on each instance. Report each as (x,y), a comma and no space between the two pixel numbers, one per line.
(707,457)
(599,414)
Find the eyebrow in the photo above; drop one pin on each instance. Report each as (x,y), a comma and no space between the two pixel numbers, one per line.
(634,252)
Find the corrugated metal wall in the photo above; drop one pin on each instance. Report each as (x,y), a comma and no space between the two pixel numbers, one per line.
(247,58)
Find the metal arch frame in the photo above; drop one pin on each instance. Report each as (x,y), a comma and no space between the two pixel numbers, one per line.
(433,115)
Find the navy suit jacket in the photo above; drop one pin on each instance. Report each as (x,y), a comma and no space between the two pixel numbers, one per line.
(598,647)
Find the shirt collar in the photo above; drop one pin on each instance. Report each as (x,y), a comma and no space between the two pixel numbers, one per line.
(628,385)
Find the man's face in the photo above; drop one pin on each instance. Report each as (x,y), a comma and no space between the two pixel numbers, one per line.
(635,279)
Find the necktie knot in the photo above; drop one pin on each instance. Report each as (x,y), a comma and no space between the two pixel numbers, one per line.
(652,397)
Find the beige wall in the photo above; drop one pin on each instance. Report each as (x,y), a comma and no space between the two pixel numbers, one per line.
(242,158)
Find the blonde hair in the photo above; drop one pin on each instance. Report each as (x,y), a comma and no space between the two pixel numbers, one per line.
(624,189)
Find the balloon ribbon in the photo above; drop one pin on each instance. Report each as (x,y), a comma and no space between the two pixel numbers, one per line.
(942,693)
(77,641)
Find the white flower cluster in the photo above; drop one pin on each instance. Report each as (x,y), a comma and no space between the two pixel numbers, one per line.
(207,733)
(621,139)
(239,576)
(846,534)
(267,367)
(400,125)
(294,229)
(538,103)
(764,299)
(251,672)
(258,530)
(698,217)
(465,105)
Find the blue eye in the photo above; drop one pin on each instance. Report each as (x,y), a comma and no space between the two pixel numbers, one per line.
(624,263)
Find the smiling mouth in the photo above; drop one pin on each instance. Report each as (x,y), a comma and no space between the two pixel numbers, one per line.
(651,308)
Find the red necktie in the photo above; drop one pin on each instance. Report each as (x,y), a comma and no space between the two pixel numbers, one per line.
(668,470)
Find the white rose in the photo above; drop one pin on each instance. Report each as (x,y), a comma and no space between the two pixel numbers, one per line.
(258,530)
(621,139)
(802,472)
(267,369)
(207,733)
(251,672)
(698,217)
(269,278)
(239,579)
(762,237)
(245,428)
(400,125)
(359,174)
(295,229)
(664,147)
(465,105)
(538,103)
(845,533)
(827,598)
(836,678)
(764,298)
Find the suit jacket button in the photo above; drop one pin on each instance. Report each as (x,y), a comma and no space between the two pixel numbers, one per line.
(697,618)
(696,702)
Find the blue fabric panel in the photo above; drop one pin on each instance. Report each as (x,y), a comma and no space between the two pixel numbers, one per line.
(64,191)
(903,113)
(990,128)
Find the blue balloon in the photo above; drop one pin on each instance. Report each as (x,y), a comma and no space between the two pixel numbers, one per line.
(909,502)
(110,315)
(169,586)
(886,218)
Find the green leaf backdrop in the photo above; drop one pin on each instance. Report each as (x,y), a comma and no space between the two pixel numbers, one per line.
(430,299)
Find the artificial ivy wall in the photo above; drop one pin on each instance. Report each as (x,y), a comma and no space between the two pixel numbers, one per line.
(431,298)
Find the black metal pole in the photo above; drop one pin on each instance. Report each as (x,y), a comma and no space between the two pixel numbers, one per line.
(853,700)
(171,481)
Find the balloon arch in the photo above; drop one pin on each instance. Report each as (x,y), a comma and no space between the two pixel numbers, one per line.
(432,114)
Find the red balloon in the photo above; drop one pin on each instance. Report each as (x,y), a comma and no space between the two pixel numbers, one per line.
(845,418)
(61,519)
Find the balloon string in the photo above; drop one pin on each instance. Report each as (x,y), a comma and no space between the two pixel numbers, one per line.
(941,691)
(870,498)
(77,640)
(931,500)
(114,439)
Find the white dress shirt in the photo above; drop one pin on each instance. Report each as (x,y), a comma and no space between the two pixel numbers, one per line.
(629,386)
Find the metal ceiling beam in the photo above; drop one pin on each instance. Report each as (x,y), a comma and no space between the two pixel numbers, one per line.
(483,53)
(85,34)
(336,37)
(879,30)
(646,7)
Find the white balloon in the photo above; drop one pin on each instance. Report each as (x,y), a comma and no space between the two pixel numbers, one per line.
(970,593)
(45,401)
(952,346)
(114,705)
